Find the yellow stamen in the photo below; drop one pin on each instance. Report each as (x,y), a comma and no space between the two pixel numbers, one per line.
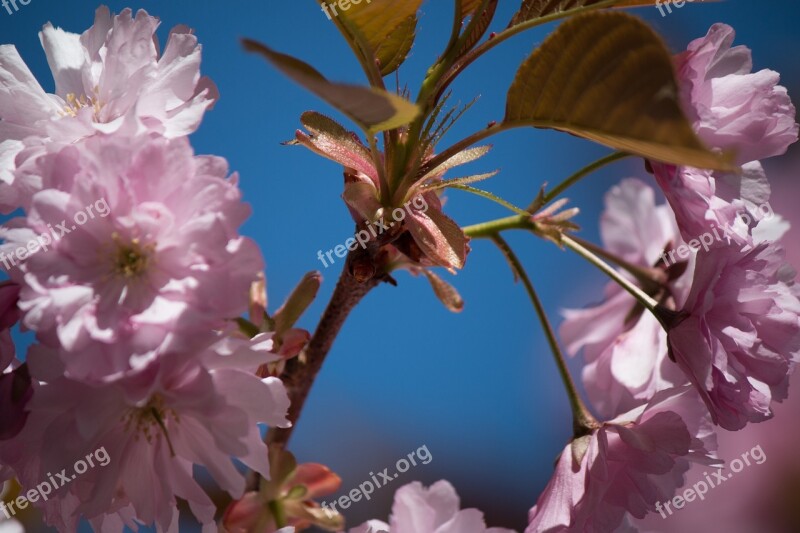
(130,259)
(76,103)
(142,420)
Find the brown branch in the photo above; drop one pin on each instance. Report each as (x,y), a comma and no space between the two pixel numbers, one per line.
(301,372)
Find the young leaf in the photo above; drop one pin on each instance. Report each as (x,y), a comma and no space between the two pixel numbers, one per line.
(298,301)
(386,27)
(465,156)
(439,238)
(373,109)
(608,77)
(466,180)
(331,140)
(533,9)
(446,293)
(362,198)
(393,50)
(469,8)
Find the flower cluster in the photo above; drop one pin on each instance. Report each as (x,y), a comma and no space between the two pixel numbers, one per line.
(724,331)
(133,311)
(141,348)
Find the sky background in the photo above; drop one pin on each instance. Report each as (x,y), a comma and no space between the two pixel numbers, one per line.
(478,388)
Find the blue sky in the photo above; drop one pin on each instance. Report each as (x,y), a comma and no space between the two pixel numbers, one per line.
(479,389)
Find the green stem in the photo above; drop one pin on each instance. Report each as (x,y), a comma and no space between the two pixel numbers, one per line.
(278,514)
(376,157)
(436,72)
(650,278)
(456,30)
(582,173)
(583,421)
(625,283)
(442,67)
(504,35)
(487,230)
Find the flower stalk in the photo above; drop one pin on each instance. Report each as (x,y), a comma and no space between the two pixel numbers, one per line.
(624,282)
(582,420)
(492,228)
(582,173)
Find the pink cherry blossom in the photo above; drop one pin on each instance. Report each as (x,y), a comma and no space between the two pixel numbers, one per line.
(624,347)
(755,500)
(626,466)
(737,336)
(436,509)
(736,345)
(707,201)
(112,78)
(732,110)
(183,410)
(732,107)
(145,252)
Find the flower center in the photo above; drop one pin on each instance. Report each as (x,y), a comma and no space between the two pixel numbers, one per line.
(130,259)
(76,103)
(150,419)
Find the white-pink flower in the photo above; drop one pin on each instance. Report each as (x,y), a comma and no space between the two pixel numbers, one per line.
(436,509)
(623,345)
(732,110)
(705,201)
(626,466)
(732,107)
(144,253)
(201,408)
(737,337)
(109,79)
